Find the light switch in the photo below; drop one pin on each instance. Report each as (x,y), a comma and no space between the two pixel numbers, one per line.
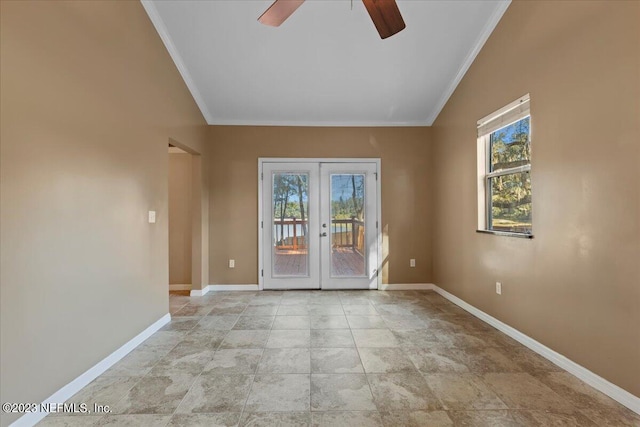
(152,217)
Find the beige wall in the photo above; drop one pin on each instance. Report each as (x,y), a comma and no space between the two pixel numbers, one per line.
(405,154)
(576,286)
(89,100)
(180,213)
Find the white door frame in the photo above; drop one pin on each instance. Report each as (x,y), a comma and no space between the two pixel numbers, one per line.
(262,160)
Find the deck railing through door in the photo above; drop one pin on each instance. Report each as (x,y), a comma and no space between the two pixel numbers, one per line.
(291,234)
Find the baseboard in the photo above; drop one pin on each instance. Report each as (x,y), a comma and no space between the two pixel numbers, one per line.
(199,292)
(84,379)
(216,288)
(406,287)
(181,287)
(252,287)
(248,287)
(613,391)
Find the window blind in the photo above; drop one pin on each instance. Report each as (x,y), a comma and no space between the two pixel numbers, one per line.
(504,116)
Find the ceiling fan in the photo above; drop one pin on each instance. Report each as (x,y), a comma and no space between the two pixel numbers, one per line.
(384,14)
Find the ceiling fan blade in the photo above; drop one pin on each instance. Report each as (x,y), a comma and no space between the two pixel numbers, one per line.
(385,16)
(279,11)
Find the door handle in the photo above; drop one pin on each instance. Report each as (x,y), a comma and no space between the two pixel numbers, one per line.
(323,234)
(324,225)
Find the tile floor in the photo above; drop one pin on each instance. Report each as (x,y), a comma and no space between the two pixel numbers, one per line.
(341,358)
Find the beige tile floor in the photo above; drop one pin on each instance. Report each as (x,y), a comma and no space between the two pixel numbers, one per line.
(341,358)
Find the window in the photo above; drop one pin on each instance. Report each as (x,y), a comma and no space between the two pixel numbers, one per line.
(504,170)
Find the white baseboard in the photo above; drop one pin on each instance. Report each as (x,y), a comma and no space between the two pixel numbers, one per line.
(406,287)
(613,391)
(253,287)
(199,292)
(248,287)
(180,287)
(215,288)
(91,374)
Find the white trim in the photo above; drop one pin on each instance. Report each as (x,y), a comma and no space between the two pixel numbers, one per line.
(517,169)
(613,391)
(379,220)
(247,287)
(307,123)
(471,56)
(255,287)
(161,28)
(215,288)
(262,160)
(505,116)
(481,162)
(199,292)
(180,287)
(406,287)
(260,225)
(84,379)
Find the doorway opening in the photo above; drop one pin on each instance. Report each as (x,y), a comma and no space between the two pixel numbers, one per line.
(180,220)
(319,223)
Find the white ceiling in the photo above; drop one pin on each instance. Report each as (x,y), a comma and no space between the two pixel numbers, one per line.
(326,65)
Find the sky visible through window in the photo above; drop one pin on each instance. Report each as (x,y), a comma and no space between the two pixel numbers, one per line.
(509,132)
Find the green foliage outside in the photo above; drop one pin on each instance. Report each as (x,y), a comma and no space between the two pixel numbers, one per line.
(511,193)
(347,196)
(291,199)
(292,211)
(290,196)
(342,209)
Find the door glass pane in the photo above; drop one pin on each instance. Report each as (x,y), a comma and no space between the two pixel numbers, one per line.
(348,249)
(290,224)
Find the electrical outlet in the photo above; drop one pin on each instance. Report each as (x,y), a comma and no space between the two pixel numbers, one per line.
(498,288)
(412,262)
(232,263)
(152,217)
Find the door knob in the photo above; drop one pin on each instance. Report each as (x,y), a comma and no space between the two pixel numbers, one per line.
(324,234)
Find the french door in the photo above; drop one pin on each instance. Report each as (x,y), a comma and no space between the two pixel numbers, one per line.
(319,224)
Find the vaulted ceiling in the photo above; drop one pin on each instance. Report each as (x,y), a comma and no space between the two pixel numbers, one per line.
(326,65)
